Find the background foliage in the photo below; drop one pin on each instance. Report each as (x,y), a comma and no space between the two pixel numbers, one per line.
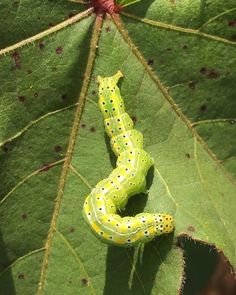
(174,55)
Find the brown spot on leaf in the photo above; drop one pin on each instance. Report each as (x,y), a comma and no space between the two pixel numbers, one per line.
(5,148)
(108,29)
(72,229)
(29,72)
(41,45)
(84,282)
(94,92)
(185,47)
(92,129)
(203,70)
(213,74)
(57,148)
(64,97)
(16,56)
(232,23)
(203,108)
(24,216)
(191,228)
(150,62)
(59,50)
(82,125)
(188,155)
(21,98)
(192,85)
(21,276)
(36,94)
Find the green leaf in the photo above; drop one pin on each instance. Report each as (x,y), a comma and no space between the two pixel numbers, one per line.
(22,19)
(191,47)
(54,150)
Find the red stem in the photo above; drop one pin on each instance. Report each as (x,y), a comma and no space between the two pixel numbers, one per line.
(105,6)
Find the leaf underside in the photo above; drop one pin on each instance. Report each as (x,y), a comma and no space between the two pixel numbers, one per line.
(47,84)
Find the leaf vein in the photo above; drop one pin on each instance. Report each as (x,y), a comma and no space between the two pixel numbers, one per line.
(72,250)
(26,178)
(173,199)
(206,190)
(212,121)
(80,176)
(34,122)
(47,32)
(217,16)
(178,29)
(21,258)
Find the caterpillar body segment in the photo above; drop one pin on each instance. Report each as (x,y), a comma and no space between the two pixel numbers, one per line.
(127,231)
(127,179)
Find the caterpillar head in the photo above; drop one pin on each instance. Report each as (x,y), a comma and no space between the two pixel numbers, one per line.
(164,224)
(168,224)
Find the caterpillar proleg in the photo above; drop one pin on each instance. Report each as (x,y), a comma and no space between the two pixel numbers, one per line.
(127,179)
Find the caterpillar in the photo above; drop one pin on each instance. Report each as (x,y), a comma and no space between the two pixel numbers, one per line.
(127,179)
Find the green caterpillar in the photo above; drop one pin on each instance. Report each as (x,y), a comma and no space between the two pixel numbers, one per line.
(126,180)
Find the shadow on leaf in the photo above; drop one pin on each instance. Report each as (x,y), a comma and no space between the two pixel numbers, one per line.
(6,279)
(130,272)
(140,8)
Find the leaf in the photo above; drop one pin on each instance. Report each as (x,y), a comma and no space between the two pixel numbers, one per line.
(54,151)
(19,24)
(220,137)
(191,47)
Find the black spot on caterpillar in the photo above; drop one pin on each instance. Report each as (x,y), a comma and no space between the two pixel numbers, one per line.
(126,180)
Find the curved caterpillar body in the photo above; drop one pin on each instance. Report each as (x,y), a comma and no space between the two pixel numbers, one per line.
(126,180)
